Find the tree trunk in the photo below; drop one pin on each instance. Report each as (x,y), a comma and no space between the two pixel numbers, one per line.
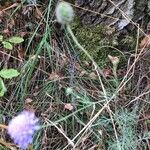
(116,13)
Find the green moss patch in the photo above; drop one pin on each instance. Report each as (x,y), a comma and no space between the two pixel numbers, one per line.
(96,40)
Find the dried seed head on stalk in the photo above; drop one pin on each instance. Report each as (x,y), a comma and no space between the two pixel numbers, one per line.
(64,13)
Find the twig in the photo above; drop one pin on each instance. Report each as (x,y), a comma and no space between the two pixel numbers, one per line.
(12,6)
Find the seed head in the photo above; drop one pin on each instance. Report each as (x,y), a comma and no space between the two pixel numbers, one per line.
(64,13)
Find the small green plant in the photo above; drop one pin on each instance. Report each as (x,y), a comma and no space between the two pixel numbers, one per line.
(7,43)
(6,74)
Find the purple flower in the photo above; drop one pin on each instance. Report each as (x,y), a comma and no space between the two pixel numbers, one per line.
(22,127)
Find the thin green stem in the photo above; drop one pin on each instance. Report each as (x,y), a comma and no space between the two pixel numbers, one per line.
(98,70)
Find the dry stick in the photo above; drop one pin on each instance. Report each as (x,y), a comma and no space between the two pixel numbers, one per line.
(145,93)
(92,114)
(82,134)
(136,49)
(88,125)
(68,139)
(22,61)
(110,113)
(3,126)
(103,15)
(123,82)
(12,6)
(8,145)
(11,56)
(111,117)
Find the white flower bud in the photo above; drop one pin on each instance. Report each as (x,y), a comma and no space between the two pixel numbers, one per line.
(64,13)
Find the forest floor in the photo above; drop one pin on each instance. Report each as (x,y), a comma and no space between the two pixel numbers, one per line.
(101,104)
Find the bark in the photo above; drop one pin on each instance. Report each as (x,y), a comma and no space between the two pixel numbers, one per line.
(137,10)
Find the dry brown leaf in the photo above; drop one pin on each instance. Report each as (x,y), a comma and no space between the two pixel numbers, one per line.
(21,54)
(107,72)
(6,31)
(145,42)
(11,23)
(22,34)
(93,75)
(53,76)
(68,106)
(78,67)
(38,13)
(82,73)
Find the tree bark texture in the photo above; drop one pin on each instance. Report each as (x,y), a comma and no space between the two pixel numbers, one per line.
(114,12)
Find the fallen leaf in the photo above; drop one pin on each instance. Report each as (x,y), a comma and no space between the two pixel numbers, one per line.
(107,72)
(6,31)
(11,23)
(82,73)
(53,76)
(68,106)
(78,67)
(38,13)
(21,53)
(93,75)
(28,100)
(145,42)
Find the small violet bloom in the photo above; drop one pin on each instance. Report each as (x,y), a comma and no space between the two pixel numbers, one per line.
(22,127)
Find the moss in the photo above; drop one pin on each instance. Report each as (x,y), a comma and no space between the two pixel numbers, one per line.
(96,40)
(128,42)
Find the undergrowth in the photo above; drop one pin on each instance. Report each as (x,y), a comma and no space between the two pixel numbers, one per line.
(79,108)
